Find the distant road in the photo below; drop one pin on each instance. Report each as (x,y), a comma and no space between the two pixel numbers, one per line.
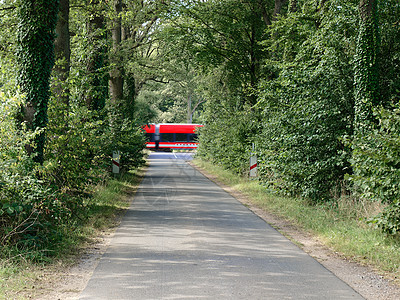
(185,156)
(186,238)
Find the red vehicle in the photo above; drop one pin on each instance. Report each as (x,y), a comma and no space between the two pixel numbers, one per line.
(171,136)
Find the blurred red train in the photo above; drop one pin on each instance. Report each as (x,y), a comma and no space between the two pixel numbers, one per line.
(171,136)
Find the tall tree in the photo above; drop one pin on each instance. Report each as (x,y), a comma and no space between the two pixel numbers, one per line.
(367,94)
(37,21)
(62,47)
(96,95)
(227,35)
(367,66)
(116,74)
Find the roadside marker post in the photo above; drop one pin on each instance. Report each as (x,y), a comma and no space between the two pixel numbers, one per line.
(115,162)
(253,163)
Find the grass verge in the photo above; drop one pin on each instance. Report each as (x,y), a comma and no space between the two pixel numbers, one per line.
(341,225)
(20,275)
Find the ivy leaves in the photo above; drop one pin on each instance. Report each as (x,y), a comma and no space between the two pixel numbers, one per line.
(36,24)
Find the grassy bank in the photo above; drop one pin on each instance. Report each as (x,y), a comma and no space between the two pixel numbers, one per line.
(20,273)
(341,225)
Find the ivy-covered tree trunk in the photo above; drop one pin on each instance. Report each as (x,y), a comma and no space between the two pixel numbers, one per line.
(129,88)
(131,94)
(254,69)
(289,52)
(98,90)
(366,72)
(116,74)
(63,58)
(367,94)
(37,21)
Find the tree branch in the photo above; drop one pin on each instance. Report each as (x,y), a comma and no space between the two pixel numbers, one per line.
(197,105)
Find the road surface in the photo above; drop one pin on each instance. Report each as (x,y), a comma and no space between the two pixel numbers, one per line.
(186,238)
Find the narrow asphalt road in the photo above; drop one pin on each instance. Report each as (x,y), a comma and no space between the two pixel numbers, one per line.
(186,238)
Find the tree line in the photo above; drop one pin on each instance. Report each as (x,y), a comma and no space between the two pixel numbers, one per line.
(314,84)
(71,71)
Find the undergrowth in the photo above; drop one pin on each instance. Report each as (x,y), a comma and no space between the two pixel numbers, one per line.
(19,272)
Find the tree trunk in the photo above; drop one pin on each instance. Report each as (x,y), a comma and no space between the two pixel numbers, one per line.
(130,92)
(96,95)
(116,81)
(129,83)
(37,23)
(366,72)
(254,66)
(63,57)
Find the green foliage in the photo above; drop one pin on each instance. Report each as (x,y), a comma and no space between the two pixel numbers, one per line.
(39,202)
(29,209)
(377,157)
(367,92)
(309,106)
(300,151)
(168,102)
(389,54)
(76,156)
(130,141)
(223,39)
(88,80)
(224,36)
(8,65)
(36,24)
(227,137)
(389,220)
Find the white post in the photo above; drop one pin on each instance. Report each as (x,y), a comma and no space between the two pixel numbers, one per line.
(253,163)
(115,162)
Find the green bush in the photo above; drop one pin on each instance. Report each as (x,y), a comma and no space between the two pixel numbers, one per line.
(77,153)
(38,201)
(389,220)
(29,208)
(308,106)
(376,163)
(130,141)
(376,159)
(227,140)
